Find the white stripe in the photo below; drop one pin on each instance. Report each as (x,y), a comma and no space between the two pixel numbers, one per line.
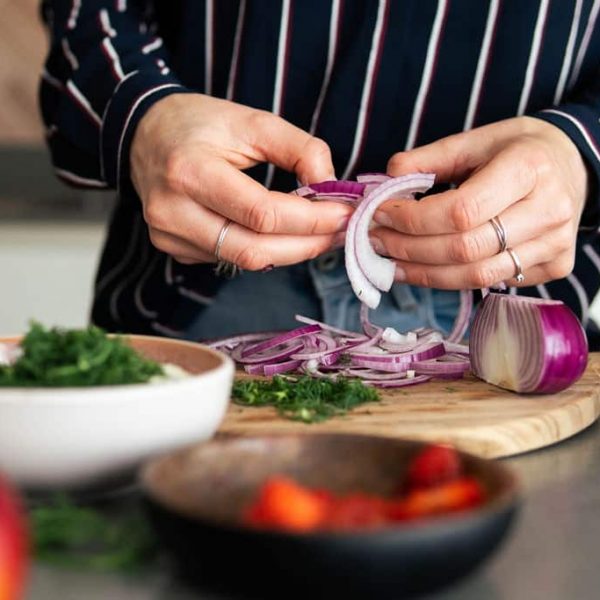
(69,54)
(432,48)
(105,23)
(579,126)
(137,294)
(237,41)
(130,116)
(153,45)
(582,296)
(52,80)
(585,42)
(121,5)
(115,91)
(114,57)
(534,53)
(139,262)
(543,291)
(331,51)
(83,101)
(194,296)
(165,71)
(72,22)
(208,46)
(94,183)
(279,73)
(482,63)
(116,270)
(564,73)
(367,88)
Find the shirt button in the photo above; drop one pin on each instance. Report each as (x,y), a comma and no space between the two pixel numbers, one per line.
(328,261)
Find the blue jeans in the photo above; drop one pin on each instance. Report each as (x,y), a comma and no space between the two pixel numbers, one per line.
(318,289)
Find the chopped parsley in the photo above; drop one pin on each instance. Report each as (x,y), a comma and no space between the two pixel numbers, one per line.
(79,357)
(304,398)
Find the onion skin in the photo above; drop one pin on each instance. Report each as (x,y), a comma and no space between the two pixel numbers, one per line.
(527,345)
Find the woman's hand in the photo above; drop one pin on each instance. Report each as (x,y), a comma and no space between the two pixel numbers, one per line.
(524,170)
(186,158)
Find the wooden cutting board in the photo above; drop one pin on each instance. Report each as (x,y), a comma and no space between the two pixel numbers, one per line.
(473,415)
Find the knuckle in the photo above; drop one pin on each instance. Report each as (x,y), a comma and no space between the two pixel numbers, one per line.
(562,266)
(158,240)
(397,163)
(465,249)
(185,260)
(318,147)
(564,241)
(262,219)
(154,214)
(176,166)
(484,276)
(561,212)
(464,213)
(252,258)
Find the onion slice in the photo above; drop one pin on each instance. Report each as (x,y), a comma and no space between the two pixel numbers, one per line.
(528,345)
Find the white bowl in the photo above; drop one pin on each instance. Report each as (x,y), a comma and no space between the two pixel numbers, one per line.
(56,438)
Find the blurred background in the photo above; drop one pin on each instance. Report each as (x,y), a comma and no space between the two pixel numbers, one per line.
(50,235)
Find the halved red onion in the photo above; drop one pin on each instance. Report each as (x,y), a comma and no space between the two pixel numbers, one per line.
(529,345)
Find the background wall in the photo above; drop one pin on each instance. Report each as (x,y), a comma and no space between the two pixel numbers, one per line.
(50,235)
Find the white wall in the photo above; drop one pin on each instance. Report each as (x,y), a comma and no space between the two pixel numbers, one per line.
(46,273)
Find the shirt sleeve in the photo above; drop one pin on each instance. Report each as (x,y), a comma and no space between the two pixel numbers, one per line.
(579,118)
(104,70)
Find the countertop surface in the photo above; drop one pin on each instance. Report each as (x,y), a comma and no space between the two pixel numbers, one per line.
(552,552)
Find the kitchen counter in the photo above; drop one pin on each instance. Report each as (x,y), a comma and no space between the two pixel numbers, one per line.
(552,553)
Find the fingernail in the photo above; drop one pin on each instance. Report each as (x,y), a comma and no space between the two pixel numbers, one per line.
(400,274)
(339,240)
(383,219)
(378,245)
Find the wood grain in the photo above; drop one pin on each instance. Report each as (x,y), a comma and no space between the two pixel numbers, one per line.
(475,416)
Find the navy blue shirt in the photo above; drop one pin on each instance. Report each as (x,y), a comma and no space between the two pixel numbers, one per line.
(369,77)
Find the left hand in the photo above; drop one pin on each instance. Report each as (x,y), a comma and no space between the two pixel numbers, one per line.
(524,170)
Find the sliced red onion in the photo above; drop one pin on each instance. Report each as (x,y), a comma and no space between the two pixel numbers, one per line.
(440,367)
(325,327)
(280,339)
(372,178)
(398,383)
(379,271)
(529,345)
(275,354)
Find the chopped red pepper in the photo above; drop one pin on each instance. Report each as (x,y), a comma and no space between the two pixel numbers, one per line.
(433,466)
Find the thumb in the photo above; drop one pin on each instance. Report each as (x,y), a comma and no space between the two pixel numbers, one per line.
(451,159)
(293,149)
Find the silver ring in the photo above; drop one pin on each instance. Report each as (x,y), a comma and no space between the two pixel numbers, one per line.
(224,268)
(520,278)
(500,232)
(221,238)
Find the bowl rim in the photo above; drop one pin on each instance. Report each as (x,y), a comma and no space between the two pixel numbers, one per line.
(16,394)
(508,500)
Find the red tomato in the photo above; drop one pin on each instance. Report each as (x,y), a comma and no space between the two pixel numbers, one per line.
(13,544)
(434,465)
(356,511)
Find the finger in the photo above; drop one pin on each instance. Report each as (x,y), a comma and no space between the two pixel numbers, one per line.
(197,230)
(291,148)
(233,194)
(504,180)
(479,243)
(533,255)
(179,249)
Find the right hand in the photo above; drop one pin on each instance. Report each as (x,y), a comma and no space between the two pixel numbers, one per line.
(186,159)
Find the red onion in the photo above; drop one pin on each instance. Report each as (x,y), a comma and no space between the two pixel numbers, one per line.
(528,345)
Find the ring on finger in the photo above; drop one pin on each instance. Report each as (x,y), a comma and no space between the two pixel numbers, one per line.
(224,267)
(519,277)
(500,232)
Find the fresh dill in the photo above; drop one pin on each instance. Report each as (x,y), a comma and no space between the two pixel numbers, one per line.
(304,398)
(78,357)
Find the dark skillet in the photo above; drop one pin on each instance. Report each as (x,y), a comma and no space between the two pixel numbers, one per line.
(195,496)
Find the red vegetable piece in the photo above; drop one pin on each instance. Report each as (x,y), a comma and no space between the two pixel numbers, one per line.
(356,511)
(435,465)
(284,504)
(455,496)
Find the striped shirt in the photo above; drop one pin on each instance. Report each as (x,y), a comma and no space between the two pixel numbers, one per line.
(370,77)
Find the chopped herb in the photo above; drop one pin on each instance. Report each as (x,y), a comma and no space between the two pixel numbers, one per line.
(71,535)
(304,399)
(82,357)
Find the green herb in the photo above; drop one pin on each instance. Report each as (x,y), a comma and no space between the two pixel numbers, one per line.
(69,535)
(304,399)
(63,358)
